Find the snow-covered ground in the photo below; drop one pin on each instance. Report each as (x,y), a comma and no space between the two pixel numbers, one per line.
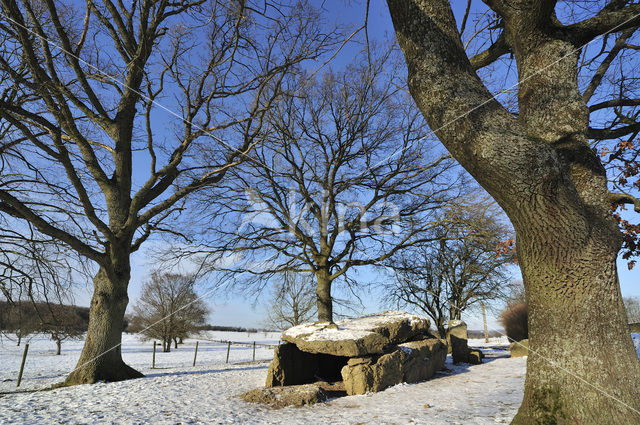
(175,392)
(43,368)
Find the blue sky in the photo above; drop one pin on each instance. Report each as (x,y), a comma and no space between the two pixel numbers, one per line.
(238,310)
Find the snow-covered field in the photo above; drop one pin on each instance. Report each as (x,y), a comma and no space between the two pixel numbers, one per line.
(43,368)
(175,392)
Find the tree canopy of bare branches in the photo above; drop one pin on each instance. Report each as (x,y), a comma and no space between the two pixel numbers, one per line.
(293,301)
(105,108)
(342,180)
(458,269)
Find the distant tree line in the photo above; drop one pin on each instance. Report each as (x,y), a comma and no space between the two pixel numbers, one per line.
(219,328)
(59,321)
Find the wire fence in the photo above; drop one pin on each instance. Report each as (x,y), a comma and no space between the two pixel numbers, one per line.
(217,351)
(242,343)
(41,368)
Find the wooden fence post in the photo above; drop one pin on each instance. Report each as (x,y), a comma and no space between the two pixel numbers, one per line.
(228,349)
(484,320)
(24,359)
(195,354)
(153,362)
(254,351)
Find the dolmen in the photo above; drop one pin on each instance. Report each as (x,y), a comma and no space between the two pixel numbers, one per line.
(368,353)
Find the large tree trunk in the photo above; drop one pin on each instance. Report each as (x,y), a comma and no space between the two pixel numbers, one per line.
(324,301)
(58,346)
(582,362)
(582,367)
(101,357)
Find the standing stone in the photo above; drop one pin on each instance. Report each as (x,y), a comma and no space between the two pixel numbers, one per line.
(413,361)
(457,338)
(475,356)
(423,359)
(370,374)
(291,366)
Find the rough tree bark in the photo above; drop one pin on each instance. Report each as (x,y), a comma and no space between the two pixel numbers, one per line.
(101,358)
(323,293)
(583,367)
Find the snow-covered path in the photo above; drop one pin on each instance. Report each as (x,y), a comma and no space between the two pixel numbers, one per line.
(485,394)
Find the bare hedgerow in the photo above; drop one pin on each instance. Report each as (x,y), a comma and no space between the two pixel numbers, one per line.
(514,321)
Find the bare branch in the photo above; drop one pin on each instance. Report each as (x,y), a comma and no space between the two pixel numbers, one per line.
(490,55)
(624,198)
(611,19)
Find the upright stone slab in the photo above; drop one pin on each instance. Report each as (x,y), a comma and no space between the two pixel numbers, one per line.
(457,338)
(475,356)
(423,359)
(413,361)
(290,366)
(372,374)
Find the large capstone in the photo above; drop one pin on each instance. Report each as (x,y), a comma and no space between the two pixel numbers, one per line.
(357,337)
(409,362)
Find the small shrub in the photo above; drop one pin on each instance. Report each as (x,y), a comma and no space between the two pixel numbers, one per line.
(514,321)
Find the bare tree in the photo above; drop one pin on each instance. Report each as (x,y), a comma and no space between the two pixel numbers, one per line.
(538,163)
(293,301)
(36,279)
(342,180)
(87,105)
(33,266)
(23,317)
(456,271)
(61,322)
(169,308)
(514,293)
